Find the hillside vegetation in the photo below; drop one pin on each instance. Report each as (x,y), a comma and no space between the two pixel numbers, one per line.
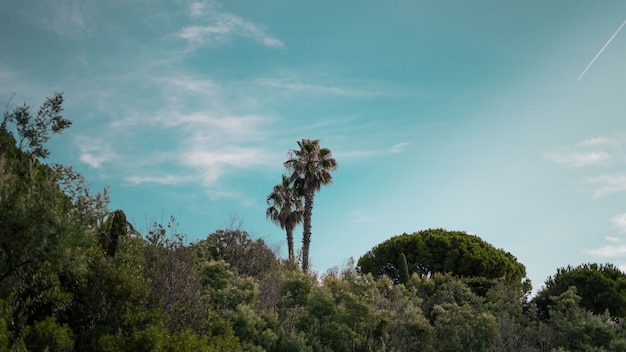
(76,276)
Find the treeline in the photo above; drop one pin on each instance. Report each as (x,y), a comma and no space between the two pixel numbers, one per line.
(75,276)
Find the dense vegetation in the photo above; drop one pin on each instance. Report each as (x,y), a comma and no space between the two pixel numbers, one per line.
(75,276)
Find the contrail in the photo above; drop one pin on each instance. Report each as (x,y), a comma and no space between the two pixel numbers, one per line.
(601,50)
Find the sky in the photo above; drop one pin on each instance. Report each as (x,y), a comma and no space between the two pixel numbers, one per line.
(465,115)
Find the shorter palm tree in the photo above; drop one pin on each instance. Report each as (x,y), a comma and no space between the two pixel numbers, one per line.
(285,210)
(112,228)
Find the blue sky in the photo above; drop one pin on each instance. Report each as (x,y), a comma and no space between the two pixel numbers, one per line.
(464,115)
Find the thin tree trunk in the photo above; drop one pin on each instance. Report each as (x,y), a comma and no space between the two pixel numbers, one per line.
(306,233)
(289,230)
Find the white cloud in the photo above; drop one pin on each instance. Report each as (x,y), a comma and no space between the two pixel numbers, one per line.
(619,221)
(607,184)
(358,216)
(579,159)
(205,146)
(168,180)
(94,152)
(398,148)
(295,86)
(219,126)
(595,141)
(196,9)
(591,151)
(609,251)
(219,27)
(193,85)
(68,18)
(211,163)
(369,153)
(613,239)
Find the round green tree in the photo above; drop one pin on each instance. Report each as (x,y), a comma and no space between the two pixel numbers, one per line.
(439,251)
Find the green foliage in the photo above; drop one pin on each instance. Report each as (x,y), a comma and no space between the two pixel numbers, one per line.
(44,236)
(246,256)
(575,328)
(600,287)
(88,208)
(462,328)
(224,288)
(188,341)
(34,131)
(173,271)
(439,251)
(5,333)
(49,335)
(28,191)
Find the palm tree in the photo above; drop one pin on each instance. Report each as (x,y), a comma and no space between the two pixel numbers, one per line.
(112,228)
(310,167)
(285,210)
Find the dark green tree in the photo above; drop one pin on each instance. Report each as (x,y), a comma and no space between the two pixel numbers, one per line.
(403,269)
(601,287)
(112,229)
(246,256)
(440,251)
(285,210)
(45,238)
(310,166)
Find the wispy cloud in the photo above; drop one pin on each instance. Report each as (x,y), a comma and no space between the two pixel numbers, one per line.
(294,86)
(610,251)
(95,152)
(211,164)
(592,151)
(68,18)
(180,129)
(216,27)
(167,180)
(358,216)
(594,141)
(607,184)
(619,221)
(196,9)
(398,148)
(203,146)
(578,159)
(192,85)
(369,153)
(207,124)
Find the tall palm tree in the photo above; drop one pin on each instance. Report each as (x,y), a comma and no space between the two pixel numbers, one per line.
(285,210)
(310,167)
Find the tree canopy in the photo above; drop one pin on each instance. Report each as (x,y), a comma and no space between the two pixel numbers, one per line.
(439,251)
(601,287)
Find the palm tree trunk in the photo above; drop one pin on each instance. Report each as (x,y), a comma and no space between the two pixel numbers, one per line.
(306,233)
(289,230)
